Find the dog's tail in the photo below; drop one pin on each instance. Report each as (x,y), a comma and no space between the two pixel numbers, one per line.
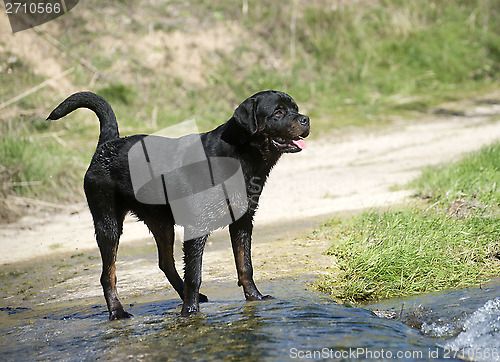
(94,102)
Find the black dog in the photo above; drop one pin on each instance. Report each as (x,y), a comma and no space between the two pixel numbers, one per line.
(263,127)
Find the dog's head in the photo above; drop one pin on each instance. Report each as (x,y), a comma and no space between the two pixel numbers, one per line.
(274,117)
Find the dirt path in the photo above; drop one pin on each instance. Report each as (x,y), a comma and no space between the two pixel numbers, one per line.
(346,170)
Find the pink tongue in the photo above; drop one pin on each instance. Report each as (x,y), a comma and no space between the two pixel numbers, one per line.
(300,144)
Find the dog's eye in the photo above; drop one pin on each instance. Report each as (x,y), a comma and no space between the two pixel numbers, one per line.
(279,113)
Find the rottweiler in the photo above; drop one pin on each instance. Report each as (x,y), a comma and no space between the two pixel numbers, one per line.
(262,128)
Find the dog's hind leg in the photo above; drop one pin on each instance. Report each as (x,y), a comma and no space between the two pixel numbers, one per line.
(108,224)
(164,237)
(108,231)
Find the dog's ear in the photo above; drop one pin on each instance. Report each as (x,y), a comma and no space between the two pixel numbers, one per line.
(246,115)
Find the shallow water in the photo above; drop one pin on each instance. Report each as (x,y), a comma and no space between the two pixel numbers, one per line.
(297,324)
(465,321)
(54,310)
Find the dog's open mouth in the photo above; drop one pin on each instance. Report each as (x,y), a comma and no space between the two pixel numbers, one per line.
(289,146)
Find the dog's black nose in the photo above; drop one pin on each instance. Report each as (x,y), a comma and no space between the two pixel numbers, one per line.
(304,121)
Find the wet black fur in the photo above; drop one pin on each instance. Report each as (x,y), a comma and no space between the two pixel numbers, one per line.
(258,133)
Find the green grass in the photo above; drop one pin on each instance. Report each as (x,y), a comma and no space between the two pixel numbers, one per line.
(404,252)
(361,63)
(422,248)
(473,179)
(118,93)
(36,167)
(16,75)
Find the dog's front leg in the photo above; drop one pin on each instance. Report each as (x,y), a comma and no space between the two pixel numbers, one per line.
(241,239)
(193,253)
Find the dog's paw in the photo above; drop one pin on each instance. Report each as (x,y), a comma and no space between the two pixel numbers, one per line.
(189,310)
(257,297)
(119,314)
(202,298)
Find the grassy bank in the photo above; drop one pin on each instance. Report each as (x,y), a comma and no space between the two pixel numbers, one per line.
(358,63)
(35,165)
(347,64)
(450,240)
(474,181)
